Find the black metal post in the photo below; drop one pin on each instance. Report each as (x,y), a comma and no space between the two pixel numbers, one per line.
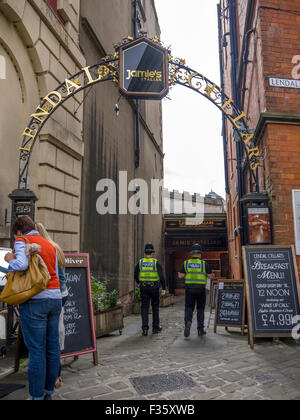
(224,135)
(239,151)
(23,203)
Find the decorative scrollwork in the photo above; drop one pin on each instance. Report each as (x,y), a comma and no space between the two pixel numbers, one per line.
(107,69)
(181,75)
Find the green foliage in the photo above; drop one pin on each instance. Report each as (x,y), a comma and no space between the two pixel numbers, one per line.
(137,293)
(102,299)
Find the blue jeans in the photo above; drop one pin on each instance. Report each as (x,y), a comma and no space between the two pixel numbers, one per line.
(39,322)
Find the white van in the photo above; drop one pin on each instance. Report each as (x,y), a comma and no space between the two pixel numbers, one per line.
(3,252)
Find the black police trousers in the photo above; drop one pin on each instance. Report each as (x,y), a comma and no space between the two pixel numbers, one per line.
(193,296)
(150,294)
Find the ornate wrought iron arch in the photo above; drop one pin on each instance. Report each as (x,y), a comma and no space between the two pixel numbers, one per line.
(108,69)
(182,75)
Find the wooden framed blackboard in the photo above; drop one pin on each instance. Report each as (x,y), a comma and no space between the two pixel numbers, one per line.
(230,305)
(272,290)
(212,298)
(79,324)
(213,294)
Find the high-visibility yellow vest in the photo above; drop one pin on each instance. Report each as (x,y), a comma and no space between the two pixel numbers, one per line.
(148,270)
(195,272)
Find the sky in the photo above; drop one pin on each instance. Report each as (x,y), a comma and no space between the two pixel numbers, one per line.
(192,125)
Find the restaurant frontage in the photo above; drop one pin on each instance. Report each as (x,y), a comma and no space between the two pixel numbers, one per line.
(210,231)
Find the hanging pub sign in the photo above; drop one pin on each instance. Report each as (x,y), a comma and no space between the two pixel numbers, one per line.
(259,225)
(144,70)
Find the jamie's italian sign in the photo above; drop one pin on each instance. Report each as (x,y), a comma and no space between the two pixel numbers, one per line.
(144,70)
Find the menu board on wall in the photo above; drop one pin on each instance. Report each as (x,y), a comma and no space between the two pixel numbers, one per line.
(296,210)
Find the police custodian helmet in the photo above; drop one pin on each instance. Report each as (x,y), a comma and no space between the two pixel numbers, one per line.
(149,248)
(196,249)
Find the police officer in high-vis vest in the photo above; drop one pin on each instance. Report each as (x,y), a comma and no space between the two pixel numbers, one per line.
(195,271)
(150,277)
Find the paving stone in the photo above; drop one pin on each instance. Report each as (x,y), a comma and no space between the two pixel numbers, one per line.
(214,383)
(118,386)
(211,395)
(232,396)
(228,389)
(223,366)
(87,393)
(116,396)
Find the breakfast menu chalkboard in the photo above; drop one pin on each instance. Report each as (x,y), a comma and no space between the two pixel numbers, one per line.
(78,310)
(272,290)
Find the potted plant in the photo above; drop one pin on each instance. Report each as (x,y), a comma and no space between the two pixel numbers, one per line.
(108,311)
(137,301)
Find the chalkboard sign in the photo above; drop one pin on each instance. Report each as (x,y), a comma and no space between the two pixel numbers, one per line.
(272,290)
(78,311)
(230,307)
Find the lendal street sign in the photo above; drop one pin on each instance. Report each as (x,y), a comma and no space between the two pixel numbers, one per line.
(144,70)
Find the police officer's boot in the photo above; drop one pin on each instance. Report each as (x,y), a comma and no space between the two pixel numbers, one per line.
(201,332)
(187,329)
(145,332)
(157,330)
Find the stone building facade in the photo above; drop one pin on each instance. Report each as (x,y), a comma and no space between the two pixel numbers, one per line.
(116,242)
(259,54)
(42,43)
(39,46)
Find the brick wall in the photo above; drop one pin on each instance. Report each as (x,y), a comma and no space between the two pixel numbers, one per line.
(273,51)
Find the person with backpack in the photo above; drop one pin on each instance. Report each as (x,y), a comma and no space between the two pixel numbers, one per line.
(39,316)
(63,288)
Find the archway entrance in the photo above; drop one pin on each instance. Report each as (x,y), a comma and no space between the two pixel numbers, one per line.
(141,68)
(128,68)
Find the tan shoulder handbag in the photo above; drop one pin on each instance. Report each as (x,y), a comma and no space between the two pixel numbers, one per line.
(23,285)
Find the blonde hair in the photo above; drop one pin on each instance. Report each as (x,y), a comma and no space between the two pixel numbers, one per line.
(60,254)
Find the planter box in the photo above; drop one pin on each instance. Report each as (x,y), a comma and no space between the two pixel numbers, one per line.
(109,321)
(166,301)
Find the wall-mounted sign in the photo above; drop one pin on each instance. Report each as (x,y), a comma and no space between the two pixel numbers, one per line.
(259,225)
(190,224)
(212,243)
(296,211)
(284,83)
(144,70)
